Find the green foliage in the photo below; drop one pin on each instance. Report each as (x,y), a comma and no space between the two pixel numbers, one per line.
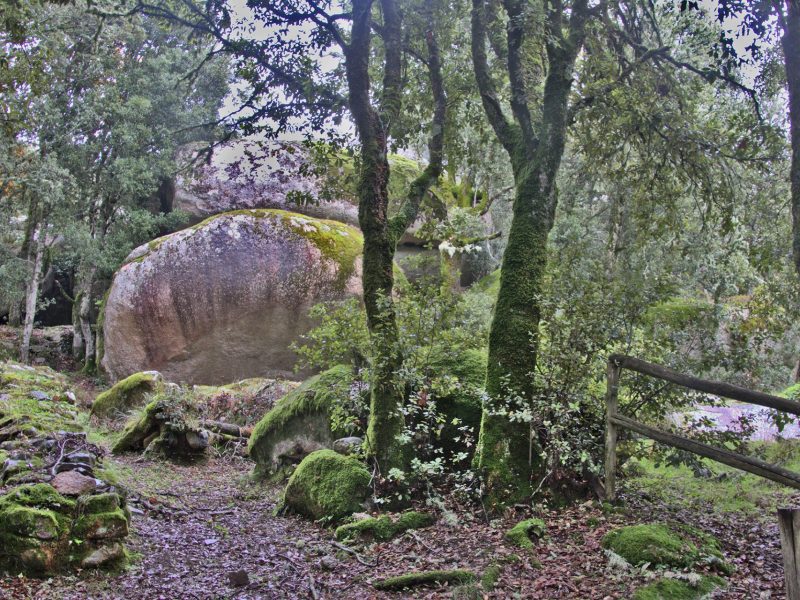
(327,485)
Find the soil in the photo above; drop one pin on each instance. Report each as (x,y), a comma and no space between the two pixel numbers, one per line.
(205,531)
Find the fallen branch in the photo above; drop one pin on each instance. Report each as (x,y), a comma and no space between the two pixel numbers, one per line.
(424,578)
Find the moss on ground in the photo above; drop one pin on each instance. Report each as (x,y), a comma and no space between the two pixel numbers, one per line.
(525,532)
(327,485)
(127,394)
(19,386)
(491,576)
(419,578)
(676,589)
(294,415)
(384,528)
(653,544)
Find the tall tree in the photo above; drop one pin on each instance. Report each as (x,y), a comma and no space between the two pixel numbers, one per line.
(375,48)
(534,139)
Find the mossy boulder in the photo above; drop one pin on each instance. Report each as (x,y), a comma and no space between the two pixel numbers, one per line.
(327,485)
(128,394)
(462,402)
(658,545)
(300,422)
(224,300)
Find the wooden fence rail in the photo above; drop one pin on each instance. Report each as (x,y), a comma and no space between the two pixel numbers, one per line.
(789,519)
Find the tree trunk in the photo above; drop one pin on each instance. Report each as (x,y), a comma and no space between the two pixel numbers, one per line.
(508,454)
(83,345)
(791,53)
(32,292)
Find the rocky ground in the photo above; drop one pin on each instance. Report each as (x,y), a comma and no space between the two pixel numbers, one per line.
(205,531)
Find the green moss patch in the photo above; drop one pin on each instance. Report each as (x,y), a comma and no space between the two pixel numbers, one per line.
(384,528)
(327,485)
(653,544)
(525,532)
(127,394)
(419,578)
(678,589)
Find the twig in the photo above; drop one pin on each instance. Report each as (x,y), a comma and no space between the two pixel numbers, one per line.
(359,558)
(312,588)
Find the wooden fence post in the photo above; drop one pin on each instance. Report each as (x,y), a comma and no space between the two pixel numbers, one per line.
(612,387)
(789,525)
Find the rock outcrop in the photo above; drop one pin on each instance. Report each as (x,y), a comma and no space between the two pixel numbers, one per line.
(223,300)
(60,509)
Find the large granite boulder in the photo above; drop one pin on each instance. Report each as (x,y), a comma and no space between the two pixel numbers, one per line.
(224,299)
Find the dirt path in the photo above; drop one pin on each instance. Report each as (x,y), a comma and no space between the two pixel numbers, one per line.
(194,527)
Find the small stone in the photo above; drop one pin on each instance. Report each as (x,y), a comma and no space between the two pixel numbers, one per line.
(197,440)
(347,445)
(39,395)
(103,555)
(72,483)
(81,457)
(210,541)
(63,467)
(70,396)
(238,578)
(328,563)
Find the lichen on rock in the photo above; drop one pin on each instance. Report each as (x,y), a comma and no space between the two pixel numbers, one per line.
(224,299)
(327,485)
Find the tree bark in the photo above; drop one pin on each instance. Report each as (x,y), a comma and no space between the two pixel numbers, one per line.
(32,292)
(508,454)
(791,53)
(381,233)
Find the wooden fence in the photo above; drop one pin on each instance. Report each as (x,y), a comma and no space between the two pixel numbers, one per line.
(789,519)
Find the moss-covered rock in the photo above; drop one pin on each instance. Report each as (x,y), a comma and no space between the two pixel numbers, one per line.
(679,589)
(461,404)
(327,485)
(232,292)
(127,394)
(167,426)
(43,532)
(525,532)
(384,528)
(653,544)
(300,422)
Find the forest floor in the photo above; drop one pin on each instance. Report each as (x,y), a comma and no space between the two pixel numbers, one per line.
(206,531)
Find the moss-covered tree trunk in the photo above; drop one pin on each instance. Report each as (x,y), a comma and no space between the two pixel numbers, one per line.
(508,454)
(382,232)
